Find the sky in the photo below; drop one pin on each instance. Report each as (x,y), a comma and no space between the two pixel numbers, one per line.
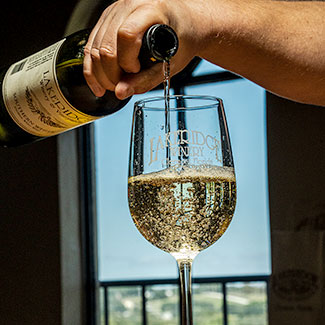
(245,247)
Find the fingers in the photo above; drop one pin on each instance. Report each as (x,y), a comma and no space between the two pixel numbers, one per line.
(88,67)
(130,35)
(114,44)
(100,64)
(103,56)
(90,77)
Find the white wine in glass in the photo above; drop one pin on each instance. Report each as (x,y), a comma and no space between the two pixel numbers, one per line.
(182,186)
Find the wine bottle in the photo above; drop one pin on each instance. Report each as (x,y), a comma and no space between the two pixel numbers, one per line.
(46,94)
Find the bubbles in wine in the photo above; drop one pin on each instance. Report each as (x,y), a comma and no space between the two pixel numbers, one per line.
(183,211)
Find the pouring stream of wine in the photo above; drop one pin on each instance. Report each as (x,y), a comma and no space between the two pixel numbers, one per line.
(166,67)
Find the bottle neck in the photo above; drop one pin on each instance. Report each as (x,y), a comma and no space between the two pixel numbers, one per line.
(159,43)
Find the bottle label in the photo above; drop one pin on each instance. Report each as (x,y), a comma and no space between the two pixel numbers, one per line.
(33,97)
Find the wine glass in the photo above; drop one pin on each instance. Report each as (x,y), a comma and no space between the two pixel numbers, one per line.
(181,186)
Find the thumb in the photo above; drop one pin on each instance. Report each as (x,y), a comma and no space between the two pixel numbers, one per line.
(139,83)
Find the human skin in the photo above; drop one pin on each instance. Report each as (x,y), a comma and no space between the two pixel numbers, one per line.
(279,45)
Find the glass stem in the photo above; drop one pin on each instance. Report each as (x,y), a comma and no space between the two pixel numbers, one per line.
(185,268)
